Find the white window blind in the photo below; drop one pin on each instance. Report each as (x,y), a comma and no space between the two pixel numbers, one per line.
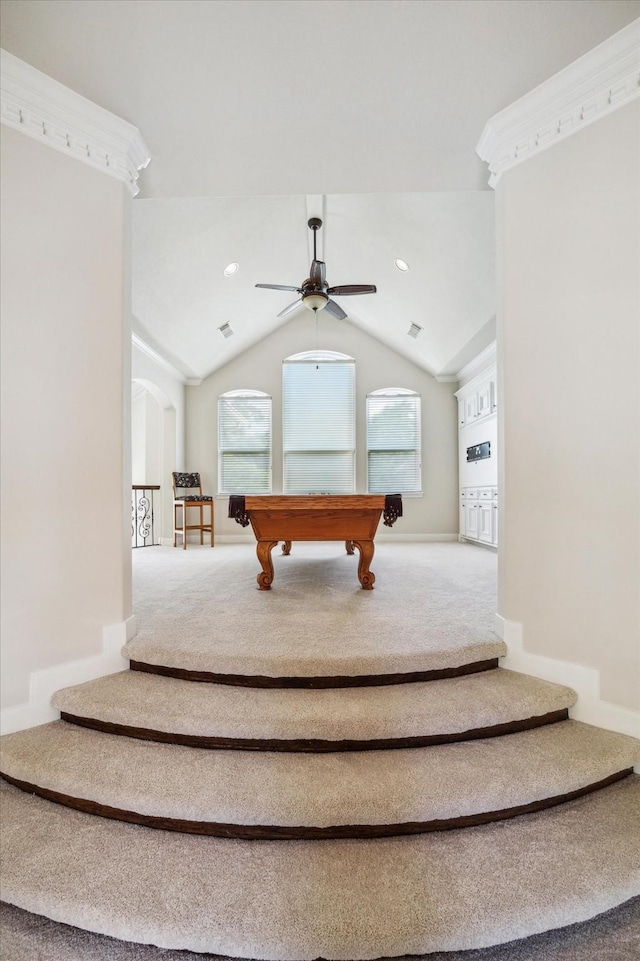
(319,424)
(244,443)
(393,441)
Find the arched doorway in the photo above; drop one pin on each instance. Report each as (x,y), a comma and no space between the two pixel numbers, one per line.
(153,453)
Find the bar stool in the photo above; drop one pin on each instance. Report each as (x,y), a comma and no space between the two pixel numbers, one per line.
(190,482)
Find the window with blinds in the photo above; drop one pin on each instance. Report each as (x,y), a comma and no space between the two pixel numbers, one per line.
(393,441)
(244,442)
(319,431)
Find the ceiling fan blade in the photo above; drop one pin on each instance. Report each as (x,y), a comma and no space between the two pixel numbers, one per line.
(278,287)
(317,273)
(290,309)
(334,309)
(348,289)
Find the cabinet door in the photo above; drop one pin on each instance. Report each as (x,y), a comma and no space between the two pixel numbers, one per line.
(494,508)
(471,525)
(487,398)
(485,523)
(470,408)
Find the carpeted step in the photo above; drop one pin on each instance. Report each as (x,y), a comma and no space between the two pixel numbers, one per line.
(253,663)
(432,610)
(338,900)
(611,936)
(284,795)
(408,715)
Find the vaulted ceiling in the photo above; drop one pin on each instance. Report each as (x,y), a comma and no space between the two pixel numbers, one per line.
(260,113)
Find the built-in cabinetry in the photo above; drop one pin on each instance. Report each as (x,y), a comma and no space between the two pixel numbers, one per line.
(478,464)
(479,514)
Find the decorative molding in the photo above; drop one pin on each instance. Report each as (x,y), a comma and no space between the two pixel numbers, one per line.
(158,358)
(45,682)
(193,381)
(49,112)
(585,681)
(606,78)
(484,361)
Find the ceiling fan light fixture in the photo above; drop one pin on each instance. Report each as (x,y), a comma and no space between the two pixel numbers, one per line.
(231,269)
(401,264)
(315,301)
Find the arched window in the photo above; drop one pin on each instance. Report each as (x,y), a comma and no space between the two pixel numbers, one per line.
(244,442)
(393,441)
(319,430)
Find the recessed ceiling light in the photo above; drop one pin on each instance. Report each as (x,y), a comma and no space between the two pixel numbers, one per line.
(401,264)
(231,269)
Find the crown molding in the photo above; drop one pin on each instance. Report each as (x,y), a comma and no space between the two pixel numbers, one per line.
(158,358)
(606,78)
(482,362)
(49,112)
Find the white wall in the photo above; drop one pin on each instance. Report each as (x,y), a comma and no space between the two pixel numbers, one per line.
(138,435)
(167,387)
(569,344)
(65,407)
(260,368)
(168,394)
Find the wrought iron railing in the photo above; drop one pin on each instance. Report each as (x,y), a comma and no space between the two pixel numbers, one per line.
(143,531)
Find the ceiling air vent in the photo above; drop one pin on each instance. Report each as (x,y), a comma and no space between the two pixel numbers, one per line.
(414,330)
(225,330)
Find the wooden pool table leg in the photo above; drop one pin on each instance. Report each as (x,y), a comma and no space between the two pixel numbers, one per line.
(263,550)
(349,547)
(365,576)
(286,548)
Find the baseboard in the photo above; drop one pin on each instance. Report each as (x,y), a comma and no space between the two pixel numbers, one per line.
(45,682)
(585,681)
(472,540)
(400,538)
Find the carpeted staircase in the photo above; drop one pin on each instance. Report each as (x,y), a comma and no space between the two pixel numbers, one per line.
(270,815)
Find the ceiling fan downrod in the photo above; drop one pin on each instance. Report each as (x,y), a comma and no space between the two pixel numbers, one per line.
(314,224)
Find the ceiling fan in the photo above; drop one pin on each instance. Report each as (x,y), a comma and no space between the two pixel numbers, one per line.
(315,292)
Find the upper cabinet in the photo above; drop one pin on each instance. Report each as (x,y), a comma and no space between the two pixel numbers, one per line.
(478,398)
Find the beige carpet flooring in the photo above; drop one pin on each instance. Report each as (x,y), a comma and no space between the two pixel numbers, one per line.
(432,607)
(319,790)
(290,900)
(430,708)
(345,900)
(612,936)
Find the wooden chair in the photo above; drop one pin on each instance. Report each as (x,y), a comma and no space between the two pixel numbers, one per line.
(190,482)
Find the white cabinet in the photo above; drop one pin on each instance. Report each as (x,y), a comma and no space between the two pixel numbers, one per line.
(472,521)
(477,400)
(486,398)
(478,464)
(479,514)
(469,409)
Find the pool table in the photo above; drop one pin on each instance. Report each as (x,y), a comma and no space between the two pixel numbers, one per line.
(352,518)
